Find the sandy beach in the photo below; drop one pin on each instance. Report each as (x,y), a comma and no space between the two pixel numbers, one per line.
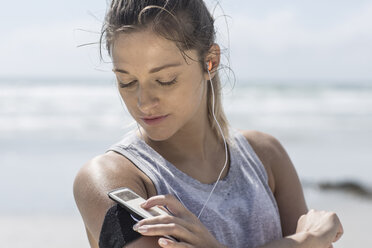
(42,231)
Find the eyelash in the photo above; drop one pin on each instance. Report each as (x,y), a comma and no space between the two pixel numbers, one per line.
(122,85)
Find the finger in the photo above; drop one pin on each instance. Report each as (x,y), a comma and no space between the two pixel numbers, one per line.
(172,229)
(167,220)
(171,202)
(165,208)
(339,233)
(163,242)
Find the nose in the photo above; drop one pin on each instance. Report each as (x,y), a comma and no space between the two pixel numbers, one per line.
(146,99)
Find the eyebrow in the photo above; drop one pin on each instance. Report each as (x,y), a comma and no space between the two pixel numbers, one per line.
(153,70)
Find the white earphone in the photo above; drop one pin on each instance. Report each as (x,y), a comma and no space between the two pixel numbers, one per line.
(209,68)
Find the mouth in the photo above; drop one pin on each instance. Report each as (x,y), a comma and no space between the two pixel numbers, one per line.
(153,120)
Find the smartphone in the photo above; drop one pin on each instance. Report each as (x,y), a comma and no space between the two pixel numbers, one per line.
(131,202)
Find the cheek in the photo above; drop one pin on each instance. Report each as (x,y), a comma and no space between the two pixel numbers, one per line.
(189,99)
(129,100)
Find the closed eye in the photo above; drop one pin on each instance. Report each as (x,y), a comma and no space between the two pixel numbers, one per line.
(167,83)
(123,85)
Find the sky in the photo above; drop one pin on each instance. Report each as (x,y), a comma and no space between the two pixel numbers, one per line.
(269,40)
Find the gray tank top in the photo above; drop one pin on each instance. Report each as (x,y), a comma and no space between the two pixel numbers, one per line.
(242,211)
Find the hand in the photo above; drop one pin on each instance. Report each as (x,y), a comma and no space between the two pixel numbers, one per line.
(184,225)
(324,226)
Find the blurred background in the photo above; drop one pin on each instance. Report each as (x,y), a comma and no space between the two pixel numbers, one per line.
(302,71)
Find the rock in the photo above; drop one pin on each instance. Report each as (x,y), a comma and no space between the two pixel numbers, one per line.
(347,186)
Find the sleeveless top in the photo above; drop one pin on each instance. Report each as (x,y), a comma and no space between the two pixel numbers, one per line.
(242,211)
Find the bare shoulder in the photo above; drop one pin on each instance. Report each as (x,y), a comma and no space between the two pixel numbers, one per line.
(283,179)
(268,149)
(97,177)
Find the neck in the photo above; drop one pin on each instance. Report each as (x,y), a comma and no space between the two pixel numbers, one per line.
(188,144)
(195,150)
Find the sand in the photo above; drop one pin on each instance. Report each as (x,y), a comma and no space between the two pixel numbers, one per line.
(42,231)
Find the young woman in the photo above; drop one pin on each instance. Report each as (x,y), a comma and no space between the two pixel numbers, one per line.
(224,187)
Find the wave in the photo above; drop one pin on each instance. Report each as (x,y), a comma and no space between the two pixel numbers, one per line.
(37,105)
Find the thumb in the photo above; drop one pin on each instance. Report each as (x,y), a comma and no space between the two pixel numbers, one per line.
(170,202)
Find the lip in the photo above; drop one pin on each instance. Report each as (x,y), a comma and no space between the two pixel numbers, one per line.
(154,120)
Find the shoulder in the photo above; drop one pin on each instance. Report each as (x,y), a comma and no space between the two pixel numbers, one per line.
(268,149)
(262,141)
(97,177)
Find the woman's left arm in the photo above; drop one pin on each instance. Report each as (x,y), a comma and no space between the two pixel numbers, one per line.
(283,178)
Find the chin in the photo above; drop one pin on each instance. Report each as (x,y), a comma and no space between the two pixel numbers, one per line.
(158,134)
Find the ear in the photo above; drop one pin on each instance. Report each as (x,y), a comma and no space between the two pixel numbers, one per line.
(214,56)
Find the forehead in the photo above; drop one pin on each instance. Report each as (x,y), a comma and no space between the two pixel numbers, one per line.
(147,49)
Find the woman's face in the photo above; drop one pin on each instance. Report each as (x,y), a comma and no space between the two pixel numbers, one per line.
(155,80)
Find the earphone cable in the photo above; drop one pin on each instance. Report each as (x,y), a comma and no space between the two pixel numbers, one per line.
(226,154)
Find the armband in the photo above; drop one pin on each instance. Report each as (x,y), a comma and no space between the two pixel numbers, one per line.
(117,228)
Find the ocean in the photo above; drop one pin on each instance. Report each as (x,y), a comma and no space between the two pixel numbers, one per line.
(50,127)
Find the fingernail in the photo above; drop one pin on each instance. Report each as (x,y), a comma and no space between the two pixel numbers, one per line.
(143,204)
(142,229)
(135,227)
(163,242)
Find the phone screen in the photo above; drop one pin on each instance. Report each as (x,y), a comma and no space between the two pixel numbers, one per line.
(127,195)
(131,201)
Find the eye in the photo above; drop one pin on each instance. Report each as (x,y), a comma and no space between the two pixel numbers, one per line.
(127,85)
(167,83)
(123,85)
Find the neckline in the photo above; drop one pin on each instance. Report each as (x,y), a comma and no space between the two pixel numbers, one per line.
(185,177)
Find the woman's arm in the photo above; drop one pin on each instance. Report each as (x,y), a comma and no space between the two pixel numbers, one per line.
(100,176)
(301,240)
(94,180)
(300,227)
(315,229)
(93,243)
